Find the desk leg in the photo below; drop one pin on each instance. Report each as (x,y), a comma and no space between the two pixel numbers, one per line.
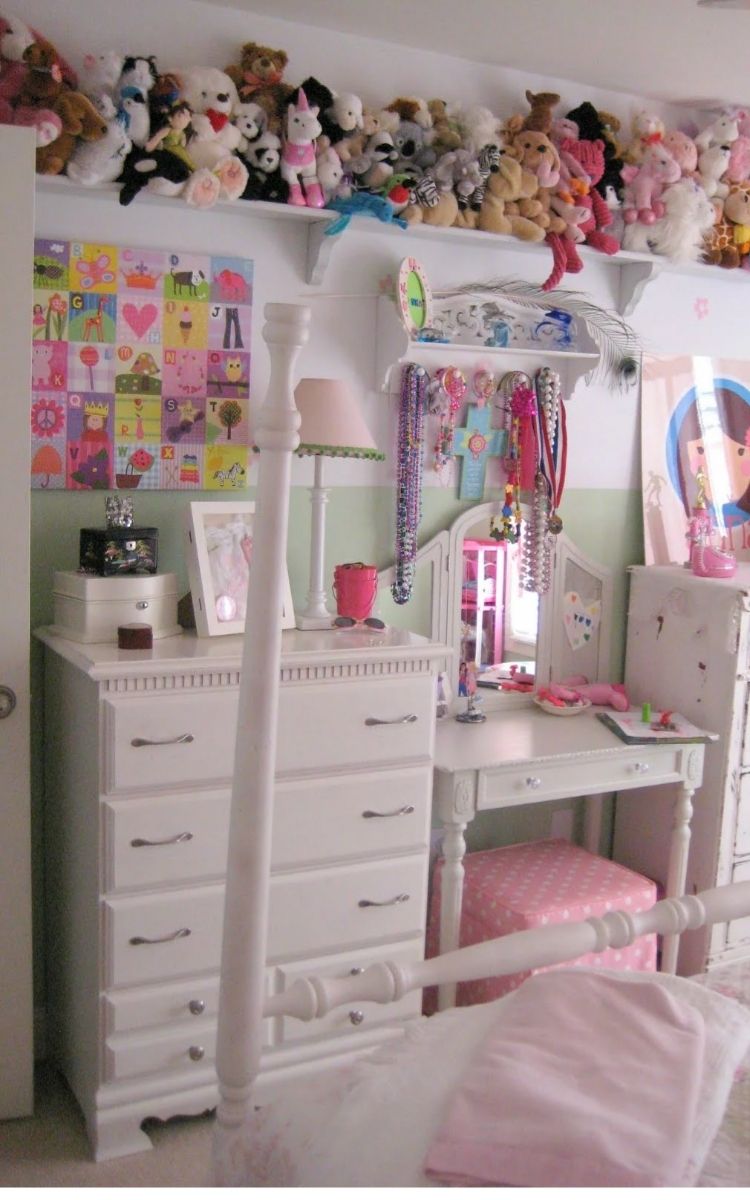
(451,895)
(592,823)
(677,874)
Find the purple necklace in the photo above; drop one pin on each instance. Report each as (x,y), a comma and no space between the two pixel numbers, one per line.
(412,409)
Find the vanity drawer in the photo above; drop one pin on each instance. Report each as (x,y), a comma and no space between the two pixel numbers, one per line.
(321,909)
(738,931)
(164,839)
(181,932)
(179,739)
(583,777)
(182,1048)
(326,725)
(742,836)
(367,1014)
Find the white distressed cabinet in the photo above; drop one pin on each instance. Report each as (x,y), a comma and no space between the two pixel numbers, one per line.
(688,649)
(139,749)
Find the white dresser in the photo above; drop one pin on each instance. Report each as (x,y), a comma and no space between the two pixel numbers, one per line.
(139,749)
(688,649)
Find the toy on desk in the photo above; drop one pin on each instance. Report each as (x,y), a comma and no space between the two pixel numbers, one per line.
(665,724)
(706,558)
(578,687)
(467,686)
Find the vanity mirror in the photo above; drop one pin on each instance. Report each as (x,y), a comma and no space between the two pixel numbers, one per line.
(468,583)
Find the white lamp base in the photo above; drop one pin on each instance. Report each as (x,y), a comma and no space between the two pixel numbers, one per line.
(315,614)
(315,621)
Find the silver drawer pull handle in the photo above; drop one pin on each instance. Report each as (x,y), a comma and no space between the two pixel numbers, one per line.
(533,782)
(356,970)
(183,737)
(397,812)
(171,937)
(640,768)
(409,719)
(400,899)
(171,841)
(356,1016)
(196,1053)
(197,1007)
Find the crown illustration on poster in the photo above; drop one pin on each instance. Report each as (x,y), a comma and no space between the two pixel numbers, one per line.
(96,408)
(141,276)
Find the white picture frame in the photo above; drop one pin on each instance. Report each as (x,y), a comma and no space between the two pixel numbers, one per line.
(218,557)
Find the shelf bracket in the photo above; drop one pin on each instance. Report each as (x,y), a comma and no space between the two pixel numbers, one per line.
(319,249)
(633,278)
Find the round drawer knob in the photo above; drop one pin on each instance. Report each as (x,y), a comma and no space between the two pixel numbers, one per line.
(356,1016)
(356,970)
(533,782)
(196,1053)
(197,1007)
(640,768)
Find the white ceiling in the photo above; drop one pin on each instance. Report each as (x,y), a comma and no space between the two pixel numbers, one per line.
(672,50)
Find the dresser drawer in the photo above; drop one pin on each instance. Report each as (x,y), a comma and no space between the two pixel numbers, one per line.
(581,777)
(742,836)
(164,1004)
(164,839)
(738,932)
(348,816)
(348,724)
(159,937)
(182,1048)
(164,740)
(347,906)
(364,1015)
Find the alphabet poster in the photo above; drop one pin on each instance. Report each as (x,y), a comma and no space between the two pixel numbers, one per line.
(695,417)
(140,368)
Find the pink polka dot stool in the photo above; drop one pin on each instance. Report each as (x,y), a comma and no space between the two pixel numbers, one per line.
(540,883)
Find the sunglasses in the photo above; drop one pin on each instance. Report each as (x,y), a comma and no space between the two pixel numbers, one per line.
(348,622)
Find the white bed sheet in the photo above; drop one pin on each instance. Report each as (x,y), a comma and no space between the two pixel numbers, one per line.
(370,1124)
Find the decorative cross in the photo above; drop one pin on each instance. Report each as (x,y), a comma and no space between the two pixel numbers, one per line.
(475,442)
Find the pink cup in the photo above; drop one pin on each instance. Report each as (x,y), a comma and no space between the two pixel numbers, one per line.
(355,586)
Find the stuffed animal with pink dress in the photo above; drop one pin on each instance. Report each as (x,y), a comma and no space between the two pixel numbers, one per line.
(298,162)
(645,183)
(577,687)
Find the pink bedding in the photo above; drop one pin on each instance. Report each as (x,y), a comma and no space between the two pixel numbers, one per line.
(543,1106)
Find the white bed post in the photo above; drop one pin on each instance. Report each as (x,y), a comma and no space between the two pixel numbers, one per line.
(248,869)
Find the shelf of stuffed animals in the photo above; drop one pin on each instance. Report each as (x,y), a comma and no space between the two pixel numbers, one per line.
(475,333)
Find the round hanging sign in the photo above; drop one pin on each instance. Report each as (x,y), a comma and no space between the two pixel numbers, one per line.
(414,297)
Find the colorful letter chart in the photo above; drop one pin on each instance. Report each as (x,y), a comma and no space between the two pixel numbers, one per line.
(140,368)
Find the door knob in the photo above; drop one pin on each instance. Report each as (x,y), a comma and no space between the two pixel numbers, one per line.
(7,701)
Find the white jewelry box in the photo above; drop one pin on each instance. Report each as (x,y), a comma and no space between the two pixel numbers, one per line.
(89,608)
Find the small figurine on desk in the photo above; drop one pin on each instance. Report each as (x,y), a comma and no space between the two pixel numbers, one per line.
(467,686)
(665,724)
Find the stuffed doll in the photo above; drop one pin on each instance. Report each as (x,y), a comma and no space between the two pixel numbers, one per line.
(98,79)
(593,124)
(577,687)
(100,161)
(161,172)
(173,133)
(330,172)
(506,187)
(458,171)
(415,155)
(262,158)
(539,119)
(589,156)
(251,120)
(15,39)
(134,114)
(259,77)
(301,130)
(728,244)
(647,130)
(680,234)
(683,150)
(713,164)
(645,183)
(537,154)
(79,119)
(341,121)
(738,168)
(45,123)
(445,132)
(478,127)
(373,169)
(412,108)
(137,72)
(213,98)
(430,206)
(720,132)
(17,56)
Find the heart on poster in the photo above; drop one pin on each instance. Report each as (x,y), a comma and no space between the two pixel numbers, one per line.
(580,618)
(140,319)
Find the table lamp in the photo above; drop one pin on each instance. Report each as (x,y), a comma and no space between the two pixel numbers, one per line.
(332,425)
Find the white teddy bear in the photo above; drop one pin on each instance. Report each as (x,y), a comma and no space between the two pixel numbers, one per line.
(712,165)
(724,129)
(213,98)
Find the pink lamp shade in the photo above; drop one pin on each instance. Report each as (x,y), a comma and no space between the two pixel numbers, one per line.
(332,423)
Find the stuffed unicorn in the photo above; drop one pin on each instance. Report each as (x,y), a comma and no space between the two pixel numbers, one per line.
(298,165)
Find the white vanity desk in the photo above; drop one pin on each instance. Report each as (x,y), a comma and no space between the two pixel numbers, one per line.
(525,756)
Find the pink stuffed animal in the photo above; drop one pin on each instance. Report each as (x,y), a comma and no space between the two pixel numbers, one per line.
(577,688)
(683,150)
(645,183)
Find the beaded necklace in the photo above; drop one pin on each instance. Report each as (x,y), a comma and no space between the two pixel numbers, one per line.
(554,440)
(413,404)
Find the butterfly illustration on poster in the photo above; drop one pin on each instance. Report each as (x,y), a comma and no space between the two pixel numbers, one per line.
(141,368)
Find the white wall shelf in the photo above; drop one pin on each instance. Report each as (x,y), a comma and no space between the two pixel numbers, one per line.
(635,269)
(394,347)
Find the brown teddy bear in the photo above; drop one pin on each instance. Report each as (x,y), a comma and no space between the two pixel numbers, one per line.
(446,135)
(79,120)
(507,189)
(44,79)
(259,78)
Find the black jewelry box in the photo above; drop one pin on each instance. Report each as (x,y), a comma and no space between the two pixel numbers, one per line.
(119,551)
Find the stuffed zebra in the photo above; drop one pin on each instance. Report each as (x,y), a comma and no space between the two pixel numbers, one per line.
(489,162)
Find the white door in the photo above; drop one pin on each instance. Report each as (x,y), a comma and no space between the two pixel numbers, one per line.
(16,255)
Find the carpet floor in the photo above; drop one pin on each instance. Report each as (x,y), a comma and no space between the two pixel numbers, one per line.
(51,1149)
